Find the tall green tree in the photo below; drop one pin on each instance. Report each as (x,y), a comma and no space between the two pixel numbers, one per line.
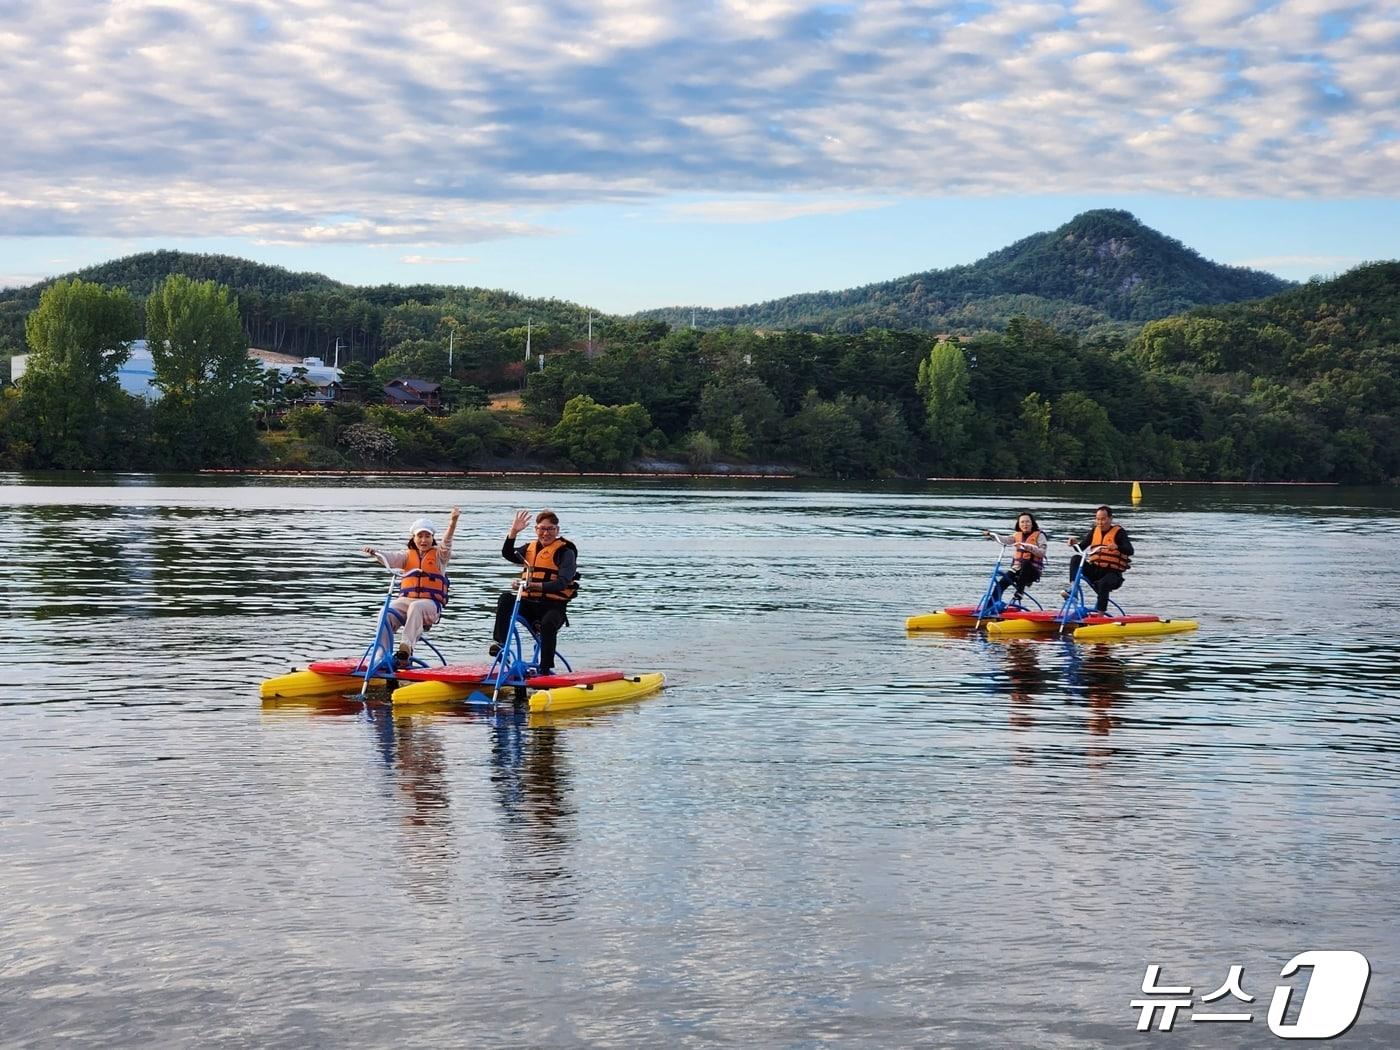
(1085,441)
(740,397)
(944,382)
(825,437)
(594,435)
(413,359)
(1032,438)
(361,384)
(71,402)
(207,381)
(469,433)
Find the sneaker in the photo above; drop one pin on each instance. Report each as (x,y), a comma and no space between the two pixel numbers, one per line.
(494,649)
(402,656)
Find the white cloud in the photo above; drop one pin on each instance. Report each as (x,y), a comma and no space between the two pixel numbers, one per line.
(436,122)
(768,209)
(21,280)
(437,260)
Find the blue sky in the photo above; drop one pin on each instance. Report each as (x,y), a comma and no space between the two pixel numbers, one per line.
(638,153)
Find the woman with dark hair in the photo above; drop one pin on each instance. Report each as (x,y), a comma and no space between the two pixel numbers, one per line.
(1027,545)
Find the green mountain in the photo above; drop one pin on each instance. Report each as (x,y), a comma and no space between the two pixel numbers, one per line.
(1101,268)
(1101,273)
(306,313)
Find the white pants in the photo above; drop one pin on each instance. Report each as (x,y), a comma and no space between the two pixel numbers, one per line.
(418,615)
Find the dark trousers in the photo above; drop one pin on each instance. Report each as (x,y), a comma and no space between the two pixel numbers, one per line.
(1102,581)
(1022,577)
(544,615)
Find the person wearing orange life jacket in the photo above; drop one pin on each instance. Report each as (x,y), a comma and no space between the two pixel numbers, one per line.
(1027,557)
(1106,565)
(551,574)
(423,592)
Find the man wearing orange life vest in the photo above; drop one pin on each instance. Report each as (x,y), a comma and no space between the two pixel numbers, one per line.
(423,592)
(551,575)
(1107,564)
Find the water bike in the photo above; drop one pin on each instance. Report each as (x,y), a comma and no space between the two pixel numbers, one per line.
(508,678)
(987,610)
(1084,624)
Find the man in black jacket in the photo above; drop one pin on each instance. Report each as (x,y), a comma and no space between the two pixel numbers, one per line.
(1110,555)
(551,581)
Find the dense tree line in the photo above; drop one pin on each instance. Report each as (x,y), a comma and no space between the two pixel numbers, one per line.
(309,315)
(1301,386)
(217,407)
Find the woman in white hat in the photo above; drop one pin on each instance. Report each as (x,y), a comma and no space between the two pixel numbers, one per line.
(424,589)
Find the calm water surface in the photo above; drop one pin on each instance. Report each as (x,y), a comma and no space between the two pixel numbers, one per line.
(824,830)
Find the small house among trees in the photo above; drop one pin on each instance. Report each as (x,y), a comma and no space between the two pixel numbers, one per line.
(318,391)
(414,393)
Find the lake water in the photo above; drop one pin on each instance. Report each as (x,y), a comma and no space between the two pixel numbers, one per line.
(824,830)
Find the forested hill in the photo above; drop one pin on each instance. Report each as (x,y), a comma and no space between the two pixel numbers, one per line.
(1307,381)
(306,313)
(139,274)
(1100,268)
(1322,329)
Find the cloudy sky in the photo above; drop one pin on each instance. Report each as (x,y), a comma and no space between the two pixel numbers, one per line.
(635,153)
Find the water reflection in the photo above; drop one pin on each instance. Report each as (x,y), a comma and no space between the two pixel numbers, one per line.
(1026,680)
(1099,678)
(1058,686)
(411,751)
(314,706)
(529,780)
(411,748)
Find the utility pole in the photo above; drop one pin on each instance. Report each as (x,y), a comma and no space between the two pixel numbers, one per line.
(452,326)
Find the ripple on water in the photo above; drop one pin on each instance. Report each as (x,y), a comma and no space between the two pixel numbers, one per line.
(825,828)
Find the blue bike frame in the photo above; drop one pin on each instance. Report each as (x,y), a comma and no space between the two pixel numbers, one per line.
(988,606)
(510,668)
(377,660)
(1074,609)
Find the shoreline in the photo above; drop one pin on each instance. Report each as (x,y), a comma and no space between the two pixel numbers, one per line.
(347,473)
(1132,481)
(748,475)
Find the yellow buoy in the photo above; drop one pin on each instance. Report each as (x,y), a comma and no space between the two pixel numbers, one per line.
(1137,492)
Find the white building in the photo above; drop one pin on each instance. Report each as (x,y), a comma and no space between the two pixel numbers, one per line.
(137,376)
